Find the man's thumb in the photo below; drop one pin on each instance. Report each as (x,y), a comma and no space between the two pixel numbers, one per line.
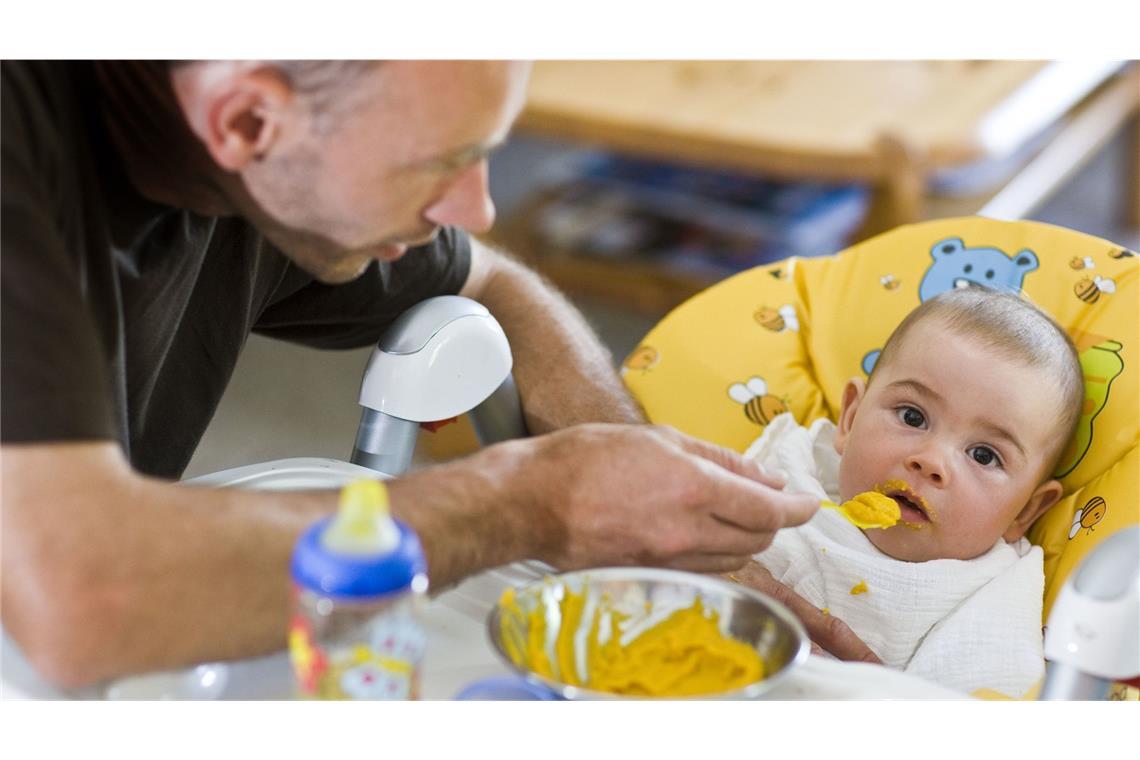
(731,461)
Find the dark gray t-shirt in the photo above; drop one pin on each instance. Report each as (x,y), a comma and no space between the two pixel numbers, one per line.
(122,319)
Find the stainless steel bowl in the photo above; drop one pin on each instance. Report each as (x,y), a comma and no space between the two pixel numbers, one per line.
(745,614)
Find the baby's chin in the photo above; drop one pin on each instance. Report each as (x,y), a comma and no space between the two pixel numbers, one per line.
(900,547)
(909,544)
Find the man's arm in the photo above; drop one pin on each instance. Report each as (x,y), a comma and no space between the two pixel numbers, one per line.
(564,374)
(104,572)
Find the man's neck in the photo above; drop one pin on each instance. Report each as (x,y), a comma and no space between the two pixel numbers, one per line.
(162,158)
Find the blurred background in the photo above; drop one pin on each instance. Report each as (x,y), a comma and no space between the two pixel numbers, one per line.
(633,185)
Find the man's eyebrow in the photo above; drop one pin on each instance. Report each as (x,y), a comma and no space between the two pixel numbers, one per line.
(461,156)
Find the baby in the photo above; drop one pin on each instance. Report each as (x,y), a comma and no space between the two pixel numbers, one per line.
(962,422)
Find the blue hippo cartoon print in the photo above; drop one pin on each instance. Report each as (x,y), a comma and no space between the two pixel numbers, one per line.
(956,266)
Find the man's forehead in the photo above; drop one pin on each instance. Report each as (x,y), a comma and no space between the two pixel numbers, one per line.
(462,81)
(456,110)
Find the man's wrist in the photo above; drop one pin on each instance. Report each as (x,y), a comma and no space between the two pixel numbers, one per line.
(476,513)
(516,477)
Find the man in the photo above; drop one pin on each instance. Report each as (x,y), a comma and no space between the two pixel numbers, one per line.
(146,208)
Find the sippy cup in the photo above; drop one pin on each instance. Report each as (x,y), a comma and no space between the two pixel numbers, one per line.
(359,578)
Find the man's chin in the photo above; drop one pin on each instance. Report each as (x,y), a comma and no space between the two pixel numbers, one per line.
(355,264)
(389,252)
(338,273)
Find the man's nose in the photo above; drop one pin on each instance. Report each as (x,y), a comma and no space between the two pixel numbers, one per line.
(467,202)
(928,463)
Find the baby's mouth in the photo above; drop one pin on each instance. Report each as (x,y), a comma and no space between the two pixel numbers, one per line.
(914,512)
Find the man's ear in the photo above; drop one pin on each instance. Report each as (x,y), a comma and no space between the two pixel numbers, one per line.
(238,112)
(1046,495)
(852,394)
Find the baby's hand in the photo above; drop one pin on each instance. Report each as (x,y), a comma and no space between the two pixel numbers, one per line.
(829,635)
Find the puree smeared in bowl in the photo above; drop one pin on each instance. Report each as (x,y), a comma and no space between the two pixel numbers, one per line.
(583,644)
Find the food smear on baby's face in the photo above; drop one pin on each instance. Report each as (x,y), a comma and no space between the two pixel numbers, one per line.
(915,512)
(685,654)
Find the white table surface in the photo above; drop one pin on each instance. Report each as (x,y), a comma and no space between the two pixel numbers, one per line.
(458,651)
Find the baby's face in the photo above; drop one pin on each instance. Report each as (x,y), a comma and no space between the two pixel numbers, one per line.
(958,435)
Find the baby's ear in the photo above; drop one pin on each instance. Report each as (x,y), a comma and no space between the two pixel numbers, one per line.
(1046,495)
(852,395)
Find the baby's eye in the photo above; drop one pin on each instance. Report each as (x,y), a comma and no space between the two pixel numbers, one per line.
(911,416)
(984,456)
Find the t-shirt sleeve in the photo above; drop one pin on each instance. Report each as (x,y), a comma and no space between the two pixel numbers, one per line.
(53,370)
(356,313)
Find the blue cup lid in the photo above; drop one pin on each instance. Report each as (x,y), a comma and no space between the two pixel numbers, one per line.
(354,576)
(506,688)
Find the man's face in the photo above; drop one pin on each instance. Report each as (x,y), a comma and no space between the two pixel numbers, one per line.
(404,156)
(957,434)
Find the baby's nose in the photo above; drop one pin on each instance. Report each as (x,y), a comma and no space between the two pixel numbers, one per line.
(928,465)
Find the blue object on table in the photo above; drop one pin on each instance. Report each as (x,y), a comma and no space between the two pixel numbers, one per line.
(506,688)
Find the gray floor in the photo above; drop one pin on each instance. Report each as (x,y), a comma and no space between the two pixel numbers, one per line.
(286,401)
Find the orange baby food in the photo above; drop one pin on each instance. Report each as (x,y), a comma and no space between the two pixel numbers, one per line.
(869,509)
(683,655)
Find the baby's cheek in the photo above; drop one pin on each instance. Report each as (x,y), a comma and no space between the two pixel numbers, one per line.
(963,535)
(852,477)
(975,531)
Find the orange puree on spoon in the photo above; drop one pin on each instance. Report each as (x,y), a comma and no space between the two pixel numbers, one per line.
(869,509)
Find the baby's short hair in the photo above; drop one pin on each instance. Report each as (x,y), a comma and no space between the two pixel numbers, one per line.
(1014,327)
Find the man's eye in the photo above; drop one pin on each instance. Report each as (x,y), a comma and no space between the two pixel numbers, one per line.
(911,416)
(984,456)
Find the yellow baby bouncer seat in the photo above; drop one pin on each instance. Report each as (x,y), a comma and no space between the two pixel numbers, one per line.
(787,336)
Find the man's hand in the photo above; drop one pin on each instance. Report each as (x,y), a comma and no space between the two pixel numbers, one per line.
(649,495)
(828,634)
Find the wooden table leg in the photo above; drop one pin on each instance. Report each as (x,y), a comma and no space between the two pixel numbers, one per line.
(900,192)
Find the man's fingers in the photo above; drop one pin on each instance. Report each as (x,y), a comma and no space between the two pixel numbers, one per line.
(711,563)
(837,638)
(831,633)
(718,536)
(755,507)
(731,461)
(742,494)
